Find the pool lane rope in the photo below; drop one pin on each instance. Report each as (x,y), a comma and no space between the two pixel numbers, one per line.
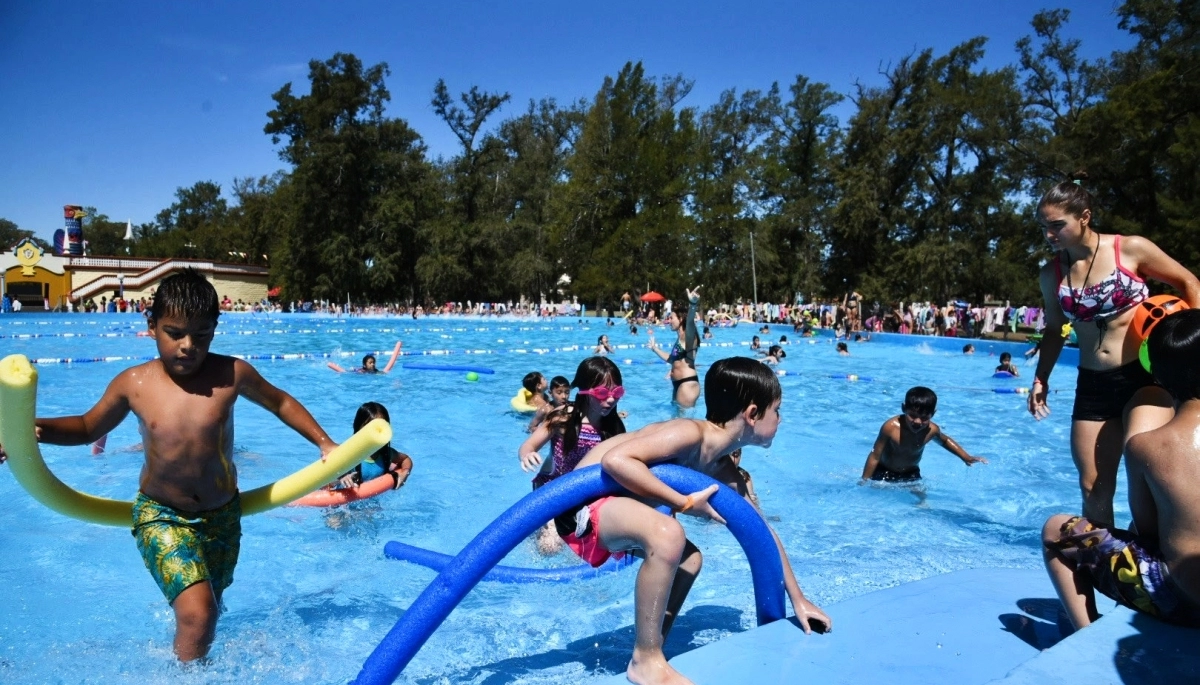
(530,513)
(18,402)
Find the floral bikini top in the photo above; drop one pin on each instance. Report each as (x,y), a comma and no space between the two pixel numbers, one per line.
(1104,299)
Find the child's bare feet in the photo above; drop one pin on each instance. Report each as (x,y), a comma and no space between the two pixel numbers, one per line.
(653,669)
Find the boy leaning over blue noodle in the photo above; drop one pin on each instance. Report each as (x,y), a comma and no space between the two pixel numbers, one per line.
(742,398)
(187,515)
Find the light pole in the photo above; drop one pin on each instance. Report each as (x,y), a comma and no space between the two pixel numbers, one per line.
(753,272)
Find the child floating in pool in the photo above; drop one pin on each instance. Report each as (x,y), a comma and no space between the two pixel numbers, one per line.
(1006,365)
(534,385)
(574,430)
(843,350)
(774,355)
(560,392)
(187,515)
(368,362)
(742,398)
(603,347)
(897,452)
(385,460)
(1152,567)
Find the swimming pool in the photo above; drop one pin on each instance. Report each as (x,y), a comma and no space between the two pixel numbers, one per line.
(314,593)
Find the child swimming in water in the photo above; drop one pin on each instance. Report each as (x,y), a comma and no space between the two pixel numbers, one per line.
(368,362)
(187,514)
(534,385)
(901,442)
(385,460)
(1006,364)
(560,392)
(742,400)
(573,430)
(774,355)
(602,346)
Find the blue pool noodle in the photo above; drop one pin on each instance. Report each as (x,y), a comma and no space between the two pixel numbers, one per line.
(488,548)
(421,366)
(506,574)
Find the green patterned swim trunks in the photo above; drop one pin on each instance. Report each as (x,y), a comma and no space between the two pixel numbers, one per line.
(183,548)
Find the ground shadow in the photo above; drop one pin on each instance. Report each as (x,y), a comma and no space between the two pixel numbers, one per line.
(1159,652)
(1045,629)
(605,652)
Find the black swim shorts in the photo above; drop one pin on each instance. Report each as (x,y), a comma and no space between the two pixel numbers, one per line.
(906,476)
(1102,395)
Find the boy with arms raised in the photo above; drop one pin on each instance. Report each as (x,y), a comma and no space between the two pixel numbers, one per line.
(187,515)
(1154,567)
(742,398)
(896,455)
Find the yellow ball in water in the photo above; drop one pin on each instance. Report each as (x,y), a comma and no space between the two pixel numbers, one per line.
(851,378)
(472,376)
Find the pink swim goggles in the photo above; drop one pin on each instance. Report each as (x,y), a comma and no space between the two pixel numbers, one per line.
(603,392)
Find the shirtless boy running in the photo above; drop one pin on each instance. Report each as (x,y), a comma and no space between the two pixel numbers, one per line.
(1154,567)
(897,452)
(187,515)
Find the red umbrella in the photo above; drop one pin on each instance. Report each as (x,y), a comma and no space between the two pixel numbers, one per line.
(652,297)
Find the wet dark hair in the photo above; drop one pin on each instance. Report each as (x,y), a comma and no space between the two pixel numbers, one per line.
(530,382)
(1005,357)
(365,414)
(591,373)
(368,411)
(967,348)
(559,382)
(600,339)
(776,351)
(921,400)
(1174,347)
(734,383)
(1070,195)
(365,358)
(841,347)
(186,293)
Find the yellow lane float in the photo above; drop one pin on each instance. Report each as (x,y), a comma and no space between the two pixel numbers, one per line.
(18,400)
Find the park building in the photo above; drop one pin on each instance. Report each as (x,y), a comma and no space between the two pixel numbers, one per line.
(43,281)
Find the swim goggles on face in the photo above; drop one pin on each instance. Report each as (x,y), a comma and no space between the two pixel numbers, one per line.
(603,392)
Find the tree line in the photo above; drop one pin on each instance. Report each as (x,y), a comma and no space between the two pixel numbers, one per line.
(926,191)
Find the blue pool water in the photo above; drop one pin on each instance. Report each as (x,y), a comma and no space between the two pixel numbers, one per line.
(314,593)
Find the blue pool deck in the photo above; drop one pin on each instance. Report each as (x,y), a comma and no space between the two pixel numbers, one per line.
(965,628)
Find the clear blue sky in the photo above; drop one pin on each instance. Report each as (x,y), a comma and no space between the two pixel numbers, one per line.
(117,104)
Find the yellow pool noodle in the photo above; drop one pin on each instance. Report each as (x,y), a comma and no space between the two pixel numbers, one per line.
(18,399)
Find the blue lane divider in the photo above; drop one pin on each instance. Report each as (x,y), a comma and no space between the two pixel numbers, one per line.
(507,574)
(488,548)
(421,366)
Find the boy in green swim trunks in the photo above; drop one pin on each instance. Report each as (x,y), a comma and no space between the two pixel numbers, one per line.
(1154,567)
(187,515)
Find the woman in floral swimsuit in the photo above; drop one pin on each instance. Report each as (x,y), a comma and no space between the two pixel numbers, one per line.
(1096,281)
